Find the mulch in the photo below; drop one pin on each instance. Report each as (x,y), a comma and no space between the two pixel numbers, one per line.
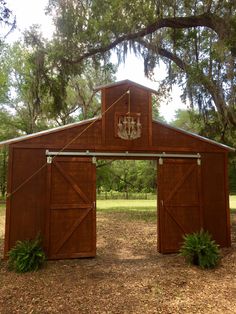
(127,276)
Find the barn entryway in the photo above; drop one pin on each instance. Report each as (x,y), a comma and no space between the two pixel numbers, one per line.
(126,209)
(71,216)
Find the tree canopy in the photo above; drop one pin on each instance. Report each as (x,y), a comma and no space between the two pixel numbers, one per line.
(195,39)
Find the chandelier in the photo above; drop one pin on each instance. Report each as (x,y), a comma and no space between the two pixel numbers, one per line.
(128,124)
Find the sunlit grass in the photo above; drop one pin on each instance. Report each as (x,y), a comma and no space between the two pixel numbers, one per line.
(132,210)
(125,205)
(232,201)
(2,209)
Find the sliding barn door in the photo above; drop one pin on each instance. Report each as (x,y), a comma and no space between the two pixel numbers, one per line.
(179,203)
(71,216)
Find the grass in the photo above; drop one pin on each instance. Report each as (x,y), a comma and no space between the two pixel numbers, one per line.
(124,205)
(232,199)
(146,206)
(133,209)
(2,209)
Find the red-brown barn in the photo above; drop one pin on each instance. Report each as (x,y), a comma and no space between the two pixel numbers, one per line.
(52,176)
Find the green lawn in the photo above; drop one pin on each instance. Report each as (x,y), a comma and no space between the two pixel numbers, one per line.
(124,205)
(232,199)
(129,205)
(132,210)
(2,209)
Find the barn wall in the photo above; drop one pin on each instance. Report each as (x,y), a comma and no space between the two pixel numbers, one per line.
(77,136)
(26,206)
(167,138)
(215,197)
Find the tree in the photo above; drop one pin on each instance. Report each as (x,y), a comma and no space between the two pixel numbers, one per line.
(7,20)
(126,176)
(82,101)
(196,40)
(7,130)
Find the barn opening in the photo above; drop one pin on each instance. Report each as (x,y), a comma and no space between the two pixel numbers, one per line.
(126,207)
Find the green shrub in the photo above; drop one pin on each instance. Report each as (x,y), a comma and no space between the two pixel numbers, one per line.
(26,256)
(199,249)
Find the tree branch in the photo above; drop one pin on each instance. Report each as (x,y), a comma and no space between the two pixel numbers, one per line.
(203,79)
(217,24)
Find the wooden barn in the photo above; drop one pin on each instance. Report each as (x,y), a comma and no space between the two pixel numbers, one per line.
(52,176)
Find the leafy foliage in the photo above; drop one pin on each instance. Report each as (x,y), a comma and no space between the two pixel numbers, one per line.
(7,19)
(126,176)
(195,39)
(26,256)
(199,249)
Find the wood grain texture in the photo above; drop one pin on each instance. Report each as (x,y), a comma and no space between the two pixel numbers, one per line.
(179,202)
(72,230)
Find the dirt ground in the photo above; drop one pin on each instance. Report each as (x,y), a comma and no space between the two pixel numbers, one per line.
(127,276)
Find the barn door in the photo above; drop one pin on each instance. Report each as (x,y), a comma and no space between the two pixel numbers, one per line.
(71,216)
(179,202)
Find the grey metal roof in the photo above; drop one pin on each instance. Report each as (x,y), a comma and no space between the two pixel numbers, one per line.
(122,83)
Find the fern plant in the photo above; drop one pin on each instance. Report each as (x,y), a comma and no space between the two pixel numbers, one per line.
(199,249)
(26,256)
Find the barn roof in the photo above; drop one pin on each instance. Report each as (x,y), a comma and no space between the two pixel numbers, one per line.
(123,83)
(72,125)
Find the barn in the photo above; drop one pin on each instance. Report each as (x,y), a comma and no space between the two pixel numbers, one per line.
(52,176)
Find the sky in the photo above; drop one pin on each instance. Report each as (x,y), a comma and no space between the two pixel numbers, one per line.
(30,12)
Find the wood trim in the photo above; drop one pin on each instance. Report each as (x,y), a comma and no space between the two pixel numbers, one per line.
(200,195)
(48,204)
(69,206)
(8,202)
(159,207)
(150,119)
(103,98)
(118,148)
(227,207)
(94,168)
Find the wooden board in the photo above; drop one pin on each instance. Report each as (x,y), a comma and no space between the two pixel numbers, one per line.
(179,202)
(71,217)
